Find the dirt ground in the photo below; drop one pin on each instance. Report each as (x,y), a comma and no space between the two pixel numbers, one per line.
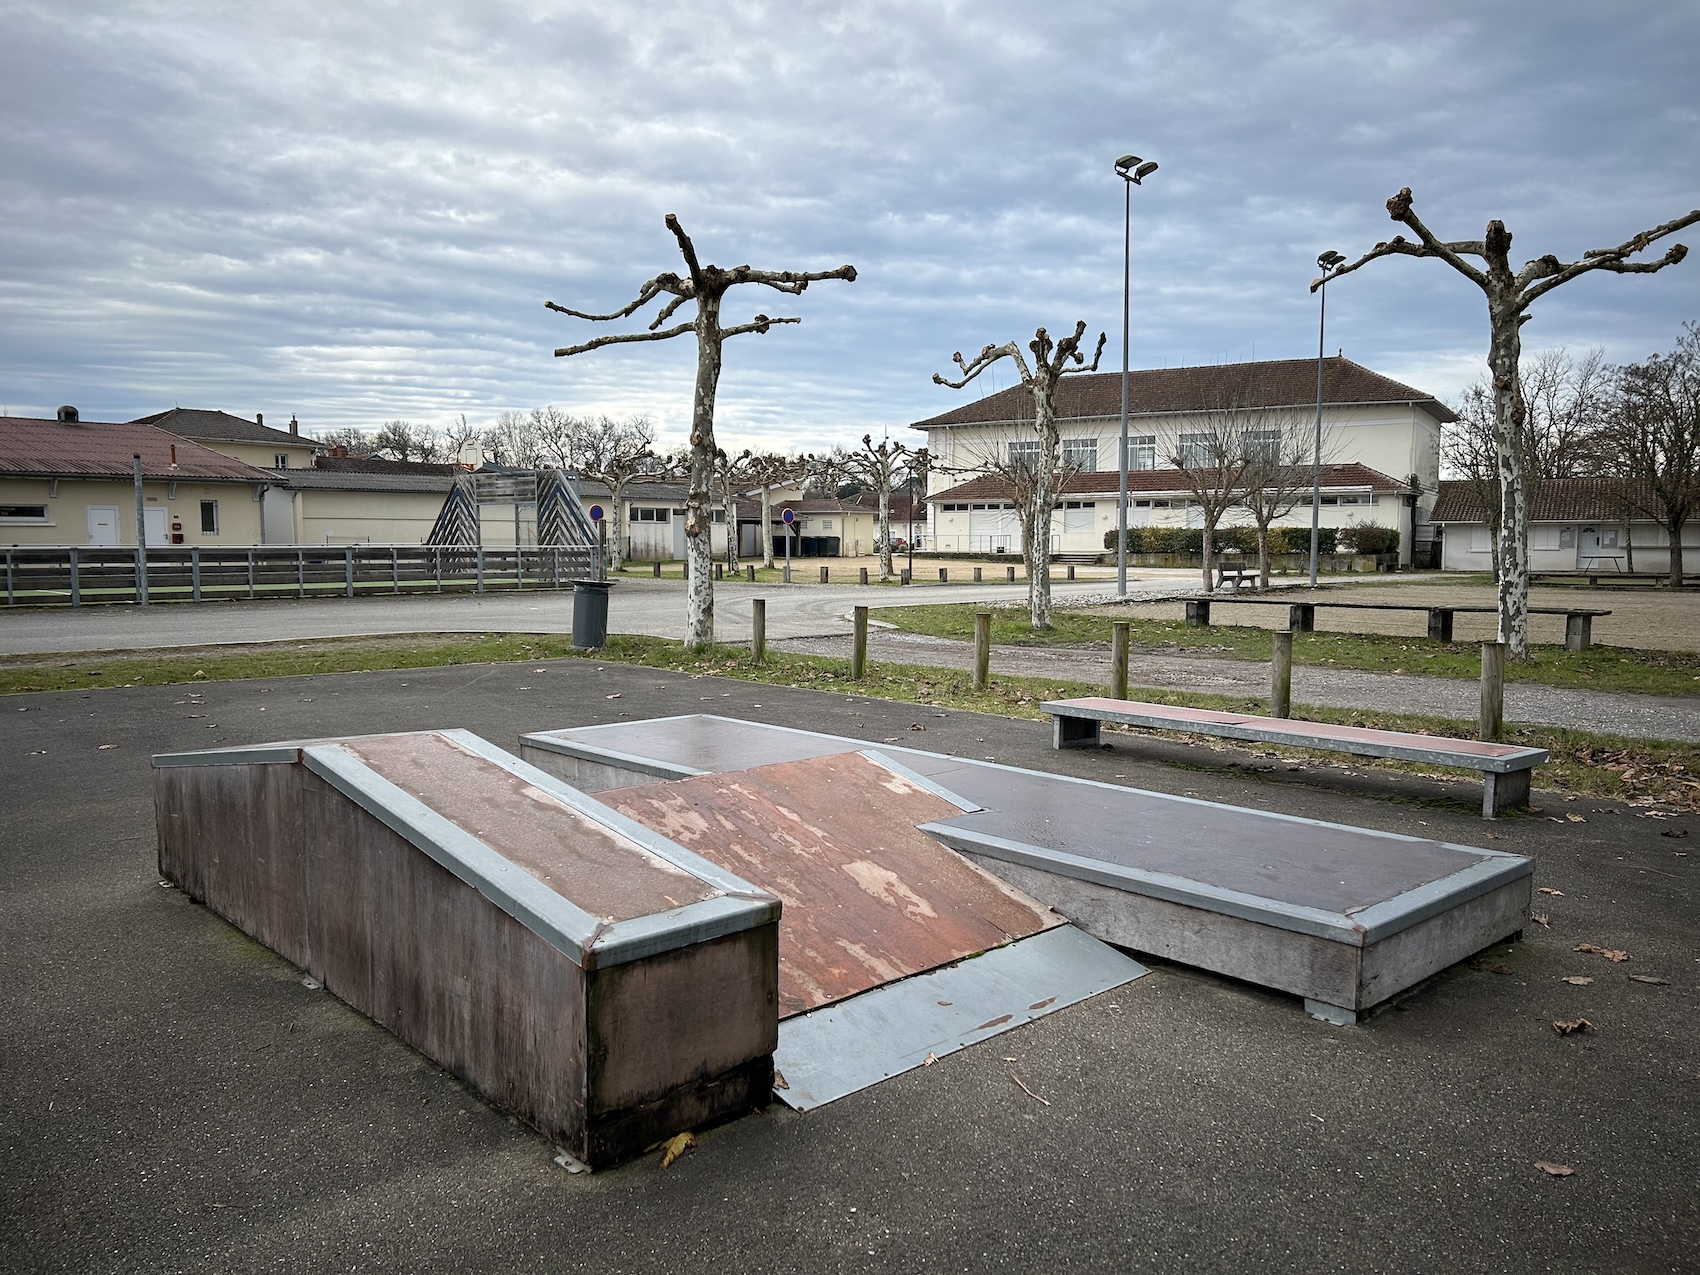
(1654,619)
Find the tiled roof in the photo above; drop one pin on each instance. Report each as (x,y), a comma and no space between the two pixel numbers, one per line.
(1353,477)
(1153,391)
(101,449)
(188,422)
(379,465)
(1556,500)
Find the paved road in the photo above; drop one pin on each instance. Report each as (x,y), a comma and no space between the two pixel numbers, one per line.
(655,608)
(1642,716)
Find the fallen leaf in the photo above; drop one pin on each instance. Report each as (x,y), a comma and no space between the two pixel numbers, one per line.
(1610,953)
(1650,980)
(779,1081)
(675,1147)
(1571,1026)
(1576,818)
(1554,1170)
(194,717)
(1540,918)
(104,747)
(916,726)
(929,1060)
(1577,980)
(615,695)
(1547,889)
(1501,969)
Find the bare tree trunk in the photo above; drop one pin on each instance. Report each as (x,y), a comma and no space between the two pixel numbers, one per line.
(1628,545)
(1044,496)
(1676,552)
(767,525)
(1209,548)
(884,489)
(617,550)
(1263,555)
(1504,355)
(699,517)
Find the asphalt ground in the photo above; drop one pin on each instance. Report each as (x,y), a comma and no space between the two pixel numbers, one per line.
(175,1098)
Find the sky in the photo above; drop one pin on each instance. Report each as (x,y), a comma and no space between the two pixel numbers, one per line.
(353,212)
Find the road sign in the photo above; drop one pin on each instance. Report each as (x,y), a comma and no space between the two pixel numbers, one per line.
(596,513)
(789,517)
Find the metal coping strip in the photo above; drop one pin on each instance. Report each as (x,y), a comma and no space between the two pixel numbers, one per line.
(1420,903)
(632,761)
(670,851)
(920,781)
(1522,759)
(1334,926)
(857,745)
(264,754)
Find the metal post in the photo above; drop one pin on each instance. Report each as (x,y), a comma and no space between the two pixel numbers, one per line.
(479,587)
(1493,690)
(859,645)
(141,535)
(11,597)
(76,584)
(195,574)
(519,567)
(787,553)
(250,575)
(438,565)
(300,573)
(1325,265)
(982,649)
(758,629)
(1118,658)
(1121,467)
(1281,675)
(348,572)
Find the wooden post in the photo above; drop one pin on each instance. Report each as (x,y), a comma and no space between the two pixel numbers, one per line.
(750,573)
(977,571)
(1009,575)
(944,575)
(903,576)
(1118,658)
(720,571)
(758,628)
(1493,690)
(1281,675)
(1071,571)
(859,645)
(655,568)
(825,574)
(982,649)
(864,576)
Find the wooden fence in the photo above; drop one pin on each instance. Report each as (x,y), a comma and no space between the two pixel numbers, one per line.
(59,575)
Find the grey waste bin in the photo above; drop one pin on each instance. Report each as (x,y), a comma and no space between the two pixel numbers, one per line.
(590,613)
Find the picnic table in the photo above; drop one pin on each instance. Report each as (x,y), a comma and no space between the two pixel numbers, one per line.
(1578,621)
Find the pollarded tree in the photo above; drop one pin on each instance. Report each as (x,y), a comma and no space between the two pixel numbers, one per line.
(1656,429)
(876,466)
(707,286)
(733,474)
(1509,295)
(1052,361)
(1280,452)
(1214,459)
(613,453)
(769,470)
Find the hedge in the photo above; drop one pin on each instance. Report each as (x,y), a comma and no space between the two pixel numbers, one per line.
(1191,539)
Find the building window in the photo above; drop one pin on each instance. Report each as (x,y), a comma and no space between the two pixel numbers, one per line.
(280,461)
(650,515)
(23,513)
(1081,453)
(826,524)
(1567,537)
(1142,451)
(720,515)
(1024,454)
(1197,451)
(209,517)
(1263,445)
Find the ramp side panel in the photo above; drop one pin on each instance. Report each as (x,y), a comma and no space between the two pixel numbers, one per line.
(868,898)
(856,1043)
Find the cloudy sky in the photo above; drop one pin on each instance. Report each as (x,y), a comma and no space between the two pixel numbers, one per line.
(354,211)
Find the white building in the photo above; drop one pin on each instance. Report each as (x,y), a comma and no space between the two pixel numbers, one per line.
(1382,442)
(1575,524)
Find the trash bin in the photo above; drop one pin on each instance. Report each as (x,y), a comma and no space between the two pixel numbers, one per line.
(590,613)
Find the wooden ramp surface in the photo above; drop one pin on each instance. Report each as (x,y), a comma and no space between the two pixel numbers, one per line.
(868,898)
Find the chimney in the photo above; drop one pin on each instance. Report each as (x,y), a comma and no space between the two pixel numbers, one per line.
(294,425)
(174,455)
(259,418)
(68,413)
(339,452)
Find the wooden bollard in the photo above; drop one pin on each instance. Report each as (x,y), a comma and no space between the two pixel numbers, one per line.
(758,628)
(977,571)
(824,573)
(903,576)
(1281,675)
(1009,575)
(720,571)
(1071,571)
(944,575)
(1118,658)
(1493,690)
(750,573)
(859,645)
(982,649)
(863,577)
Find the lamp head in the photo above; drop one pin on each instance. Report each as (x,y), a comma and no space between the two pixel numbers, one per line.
(1127,163)
(1329,260)
(1134,169)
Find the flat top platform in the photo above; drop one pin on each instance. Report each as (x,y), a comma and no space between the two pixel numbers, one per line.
(1292,862)
(608,875)
(868,898)
(1119,708)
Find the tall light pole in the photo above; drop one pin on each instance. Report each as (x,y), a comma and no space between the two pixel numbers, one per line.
(1328,262)
(1133,172)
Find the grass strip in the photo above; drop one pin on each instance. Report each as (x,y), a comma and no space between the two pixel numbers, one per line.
(1648,773)
(1599,668)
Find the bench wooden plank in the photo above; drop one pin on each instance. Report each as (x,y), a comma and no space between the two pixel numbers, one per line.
(1505,768)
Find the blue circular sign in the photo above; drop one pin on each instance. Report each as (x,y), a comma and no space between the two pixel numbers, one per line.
(596,513)
(788,516)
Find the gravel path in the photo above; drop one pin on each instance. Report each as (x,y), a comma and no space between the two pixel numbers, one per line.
(1643,716)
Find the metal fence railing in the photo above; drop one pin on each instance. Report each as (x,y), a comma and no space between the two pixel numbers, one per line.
(49,575)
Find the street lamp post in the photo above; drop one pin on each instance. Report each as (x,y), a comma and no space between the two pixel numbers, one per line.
(1133,172)
(1328,262)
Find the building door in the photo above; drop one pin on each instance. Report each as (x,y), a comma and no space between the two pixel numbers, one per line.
(154,520)
(103,524)
(277,516)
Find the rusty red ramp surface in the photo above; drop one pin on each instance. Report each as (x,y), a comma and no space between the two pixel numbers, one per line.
(868,898)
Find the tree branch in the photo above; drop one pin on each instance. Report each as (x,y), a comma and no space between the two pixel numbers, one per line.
(1399,208)
(1609,259)
(667,311)
(668,282)
(625,337)
(1081,358)
(791,281)
(761,323)
(688,249)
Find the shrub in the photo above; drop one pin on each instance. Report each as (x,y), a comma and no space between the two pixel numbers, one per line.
(1367,537)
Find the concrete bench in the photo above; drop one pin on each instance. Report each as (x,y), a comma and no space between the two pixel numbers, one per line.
(1236,571)
(1301,616)
(1505,768)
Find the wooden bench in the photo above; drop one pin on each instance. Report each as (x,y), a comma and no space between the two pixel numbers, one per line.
(1505,768)
(1301,616)
(1235,569)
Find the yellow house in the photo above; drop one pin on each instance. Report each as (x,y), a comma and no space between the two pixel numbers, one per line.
(252,441)
(72,482)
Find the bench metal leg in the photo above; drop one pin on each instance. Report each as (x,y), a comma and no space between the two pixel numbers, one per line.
(1440,624)
(1074,732)
(1198,612)
(1301,617)
(1339,1015)
(1578,632)
(1502,792)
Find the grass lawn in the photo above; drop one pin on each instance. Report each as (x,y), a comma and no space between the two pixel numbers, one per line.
(1600,668)
(1648,773)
